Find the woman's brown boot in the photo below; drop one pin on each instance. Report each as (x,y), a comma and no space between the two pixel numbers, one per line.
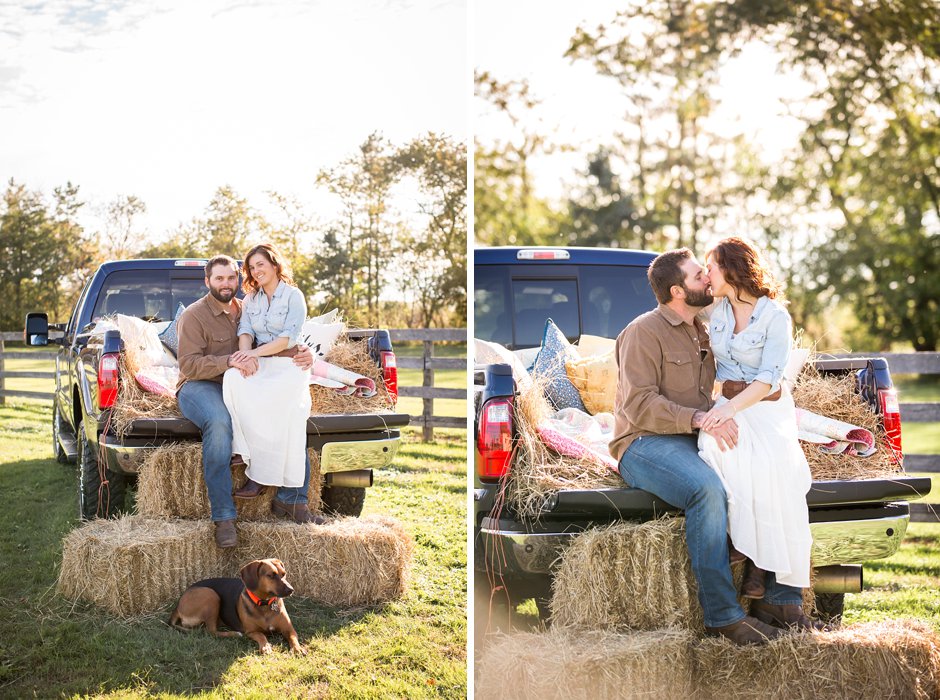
(753,584)
(251,489)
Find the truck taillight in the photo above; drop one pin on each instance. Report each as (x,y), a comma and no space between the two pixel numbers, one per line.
(107,380)
(390,373)
(891,419)
(494,443)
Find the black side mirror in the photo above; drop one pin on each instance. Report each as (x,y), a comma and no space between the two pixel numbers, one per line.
(37,329)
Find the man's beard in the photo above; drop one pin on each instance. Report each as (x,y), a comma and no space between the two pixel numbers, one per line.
(698,299)
(217,294)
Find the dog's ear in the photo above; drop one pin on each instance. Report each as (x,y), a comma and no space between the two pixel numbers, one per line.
(251,574)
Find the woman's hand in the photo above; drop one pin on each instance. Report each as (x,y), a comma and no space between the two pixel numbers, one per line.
(243,355)
(718,416)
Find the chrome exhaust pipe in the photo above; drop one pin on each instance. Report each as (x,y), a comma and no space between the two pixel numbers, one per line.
(838,579)
(357,479)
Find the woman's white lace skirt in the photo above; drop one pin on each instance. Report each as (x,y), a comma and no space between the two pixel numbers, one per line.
(766,477)
(269,413)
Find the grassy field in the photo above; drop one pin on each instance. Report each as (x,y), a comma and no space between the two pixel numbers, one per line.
(443,378)
(50,647)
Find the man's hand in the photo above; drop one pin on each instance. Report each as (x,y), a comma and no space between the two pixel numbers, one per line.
(726,435)
(303,358)
(246,365)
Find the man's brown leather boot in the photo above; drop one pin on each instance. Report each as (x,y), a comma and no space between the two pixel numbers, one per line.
(753,584)
(785,616)
(746,631)
(225,535)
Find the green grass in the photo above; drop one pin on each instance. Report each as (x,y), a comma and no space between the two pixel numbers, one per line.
(905,585)
(50,647)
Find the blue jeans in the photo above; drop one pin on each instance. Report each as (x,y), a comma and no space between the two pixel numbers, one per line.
(201,402)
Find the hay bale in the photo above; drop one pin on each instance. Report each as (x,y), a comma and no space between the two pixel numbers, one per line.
(892,659)
(539,472)
(171,485)
(835,396)
(132,565)
(628,576)
(349,561)
(352,355)
(634,576)
(135,565)
(586,664)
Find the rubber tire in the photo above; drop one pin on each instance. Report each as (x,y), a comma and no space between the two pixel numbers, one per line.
(57,450)
(89,483)
(343,500)
(830,606)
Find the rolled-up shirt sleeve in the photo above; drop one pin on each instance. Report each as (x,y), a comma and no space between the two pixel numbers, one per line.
(776,350)
(295,318)
(244,323)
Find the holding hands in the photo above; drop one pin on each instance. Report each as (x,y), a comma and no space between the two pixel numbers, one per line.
(718,416)
(244,362)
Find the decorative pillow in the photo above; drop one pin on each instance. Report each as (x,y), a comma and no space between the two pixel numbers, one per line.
(550,368)
(142,347)
(158,380)
(320,337)
(595,345)
(485,352)
(169,336)
(596,381)
(328,317)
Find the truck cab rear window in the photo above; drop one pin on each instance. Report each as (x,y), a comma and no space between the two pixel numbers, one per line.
(152,295)
(512,305)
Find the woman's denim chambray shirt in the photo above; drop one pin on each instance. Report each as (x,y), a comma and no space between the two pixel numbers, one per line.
(760,351)
(283,318)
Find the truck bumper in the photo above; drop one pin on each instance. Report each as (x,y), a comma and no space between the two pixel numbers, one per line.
(512,550)
(339,456)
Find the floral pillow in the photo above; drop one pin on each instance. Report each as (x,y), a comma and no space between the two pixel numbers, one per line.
(169,336)
(549,368)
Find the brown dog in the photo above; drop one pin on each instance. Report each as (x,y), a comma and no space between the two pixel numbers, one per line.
(250,606)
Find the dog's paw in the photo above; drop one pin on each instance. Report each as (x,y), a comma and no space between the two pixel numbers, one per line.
(299,650)
(266,649)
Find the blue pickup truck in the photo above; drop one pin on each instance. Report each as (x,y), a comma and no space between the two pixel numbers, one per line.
(598,292)
(87,377)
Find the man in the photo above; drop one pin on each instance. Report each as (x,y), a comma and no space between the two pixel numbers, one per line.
(208,338)
(664,389)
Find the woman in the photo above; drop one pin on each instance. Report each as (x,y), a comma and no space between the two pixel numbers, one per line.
(766,475)
(269,408)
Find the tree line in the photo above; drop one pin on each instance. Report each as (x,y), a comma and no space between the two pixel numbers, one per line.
(850,216)
(395,256)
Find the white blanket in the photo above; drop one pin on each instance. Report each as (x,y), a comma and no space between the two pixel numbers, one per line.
(574,433)
(834,436)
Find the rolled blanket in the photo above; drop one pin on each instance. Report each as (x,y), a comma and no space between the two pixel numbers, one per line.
(158,380)
(834,436)
(574,433)
(342,380)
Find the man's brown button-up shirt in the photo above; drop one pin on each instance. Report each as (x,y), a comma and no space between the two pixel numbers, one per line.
(208,335)
(666,374)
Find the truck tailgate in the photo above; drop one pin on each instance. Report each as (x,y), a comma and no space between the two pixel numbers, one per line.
(323,424)
(628,502)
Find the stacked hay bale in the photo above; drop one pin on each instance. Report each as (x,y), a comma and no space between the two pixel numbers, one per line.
(895,659)
(140,563)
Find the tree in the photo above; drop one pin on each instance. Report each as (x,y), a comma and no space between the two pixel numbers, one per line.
(363,183)
(434,260)
(505,208)
(122,235)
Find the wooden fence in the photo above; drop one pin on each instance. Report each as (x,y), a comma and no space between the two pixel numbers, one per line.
(427,391)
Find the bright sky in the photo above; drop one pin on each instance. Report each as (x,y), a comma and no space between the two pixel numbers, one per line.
(168,100)
(528,39)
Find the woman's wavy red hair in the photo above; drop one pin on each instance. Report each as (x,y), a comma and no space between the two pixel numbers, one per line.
(250,285)
(744,268)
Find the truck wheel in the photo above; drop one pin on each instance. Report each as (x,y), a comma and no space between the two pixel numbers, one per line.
(57,450)
(89,484)
(343,500)
(829,606)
